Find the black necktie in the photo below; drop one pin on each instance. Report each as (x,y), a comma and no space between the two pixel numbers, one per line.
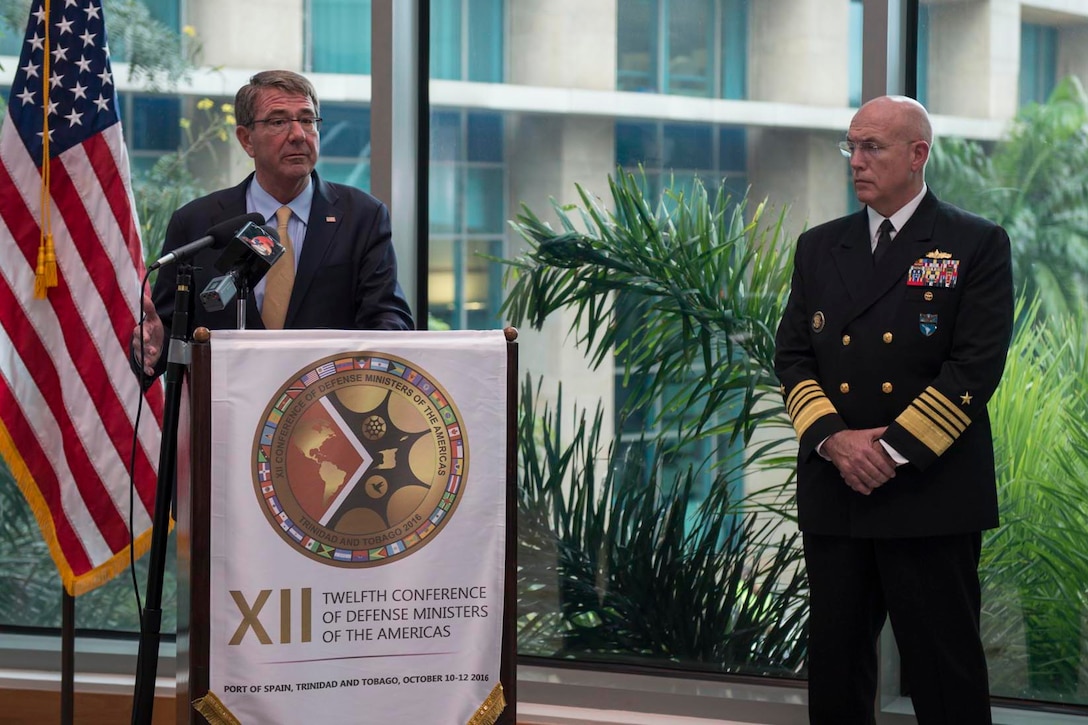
(883,240)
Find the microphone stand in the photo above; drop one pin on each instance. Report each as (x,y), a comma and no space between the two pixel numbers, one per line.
(178,359)
(240,302)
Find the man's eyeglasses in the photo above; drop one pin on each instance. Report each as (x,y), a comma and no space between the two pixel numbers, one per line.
(280,124)
(867,148)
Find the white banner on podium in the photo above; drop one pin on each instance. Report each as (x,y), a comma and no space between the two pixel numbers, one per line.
(358,525)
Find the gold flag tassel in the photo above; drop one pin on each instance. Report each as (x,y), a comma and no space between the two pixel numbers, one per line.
(45,274)
(492,707)
(214,711)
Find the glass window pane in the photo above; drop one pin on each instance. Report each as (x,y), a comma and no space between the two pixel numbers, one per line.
(445,47)
(636,43)
(691,48)
(484,201)
(735,49)
(340,41)
(485,41)
(444,205)
(345,130)
(485,141)
(856,34)
(483,285)
(446,144)
(442,284)
(154,123)
(637,143)
(687,146)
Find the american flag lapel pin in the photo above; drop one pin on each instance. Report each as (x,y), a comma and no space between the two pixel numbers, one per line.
(330,219)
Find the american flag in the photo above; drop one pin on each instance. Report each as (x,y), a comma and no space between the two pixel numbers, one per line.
(68,399)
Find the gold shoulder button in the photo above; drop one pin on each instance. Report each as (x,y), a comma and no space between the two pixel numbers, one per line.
(887,337)
(844,387)
(886,387)
(845,339)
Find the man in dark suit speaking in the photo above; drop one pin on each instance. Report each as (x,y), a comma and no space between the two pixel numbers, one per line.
(339,269)
(893,340)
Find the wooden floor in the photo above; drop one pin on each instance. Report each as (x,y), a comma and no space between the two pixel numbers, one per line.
(41,707)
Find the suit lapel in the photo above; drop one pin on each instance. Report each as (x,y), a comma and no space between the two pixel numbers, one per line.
(325,219)
(853,256)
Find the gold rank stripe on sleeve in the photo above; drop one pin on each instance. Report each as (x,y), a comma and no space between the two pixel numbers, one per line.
(806,404)
(934,420)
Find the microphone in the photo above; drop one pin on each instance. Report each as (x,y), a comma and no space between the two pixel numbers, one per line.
(218,235)
(249,255)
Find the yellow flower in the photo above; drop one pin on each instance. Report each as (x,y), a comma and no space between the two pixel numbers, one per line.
(227,108)
(189,30)
(222,135)
(230,120)
(183,122)
(204,104)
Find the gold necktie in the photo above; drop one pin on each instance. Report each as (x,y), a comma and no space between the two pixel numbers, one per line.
(280,279)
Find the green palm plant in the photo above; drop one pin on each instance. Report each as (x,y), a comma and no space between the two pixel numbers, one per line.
(616,561)
(1035,566)
(1034,184)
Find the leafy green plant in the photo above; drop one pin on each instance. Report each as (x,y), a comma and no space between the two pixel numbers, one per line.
(1034,184)
(615,560)
(171,182)
(1035,566)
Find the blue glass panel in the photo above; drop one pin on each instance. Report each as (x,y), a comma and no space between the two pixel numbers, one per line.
(445,136)
(735,49)
(485,137)
(636,143)
(687,146)
(690,48)
(483,285)
(340,41)
(442,195)
(352,173)
(154,123)
(484,200)
(345,130)
(446,39)
(732,149)
(485,41)
(637,45)
(167,12)
(854,38)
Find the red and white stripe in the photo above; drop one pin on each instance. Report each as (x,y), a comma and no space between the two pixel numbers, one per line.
(68,398)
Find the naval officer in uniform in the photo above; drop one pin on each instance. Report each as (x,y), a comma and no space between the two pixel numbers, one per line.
(893,340)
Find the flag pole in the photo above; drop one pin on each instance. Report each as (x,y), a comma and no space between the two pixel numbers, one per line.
(67,657)
(178,356)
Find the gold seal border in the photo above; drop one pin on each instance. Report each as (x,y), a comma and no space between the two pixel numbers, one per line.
(379,559)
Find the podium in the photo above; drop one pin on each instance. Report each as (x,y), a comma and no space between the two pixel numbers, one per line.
(345,527)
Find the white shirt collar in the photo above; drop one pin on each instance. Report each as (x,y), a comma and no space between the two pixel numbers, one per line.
(898,219)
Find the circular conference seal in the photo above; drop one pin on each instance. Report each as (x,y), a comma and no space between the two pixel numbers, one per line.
(360,460)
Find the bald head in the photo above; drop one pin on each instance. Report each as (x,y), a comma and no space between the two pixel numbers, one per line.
(892,135)
(903,116)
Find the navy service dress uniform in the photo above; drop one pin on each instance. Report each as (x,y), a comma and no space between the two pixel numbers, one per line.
(917,344)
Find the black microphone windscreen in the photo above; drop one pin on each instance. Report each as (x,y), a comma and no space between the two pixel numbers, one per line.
(224,231)
(250,252)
